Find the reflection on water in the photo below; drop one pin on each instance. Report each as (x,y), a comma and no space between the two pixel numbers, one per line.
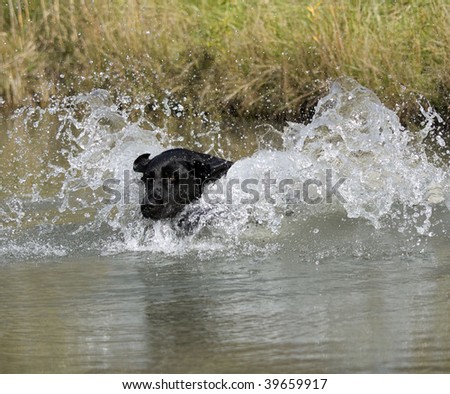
(141,313)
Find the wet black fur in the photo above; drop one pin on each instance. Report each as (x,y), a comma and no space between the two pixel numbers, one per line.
(175,178)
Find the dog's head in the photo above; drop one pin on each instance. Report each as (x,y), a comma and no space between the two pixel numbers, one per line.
(174,179)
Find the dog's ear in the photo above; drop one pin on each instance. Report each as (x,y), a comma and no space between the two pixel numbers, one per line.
(141,162)
(212,169)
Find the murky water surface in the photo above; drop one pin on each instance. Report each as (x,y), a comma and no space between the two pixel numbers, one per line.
(283,279)
(139,313)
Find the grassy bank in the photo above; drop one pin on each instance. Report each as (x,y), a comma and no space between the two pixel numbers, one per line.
(252,58)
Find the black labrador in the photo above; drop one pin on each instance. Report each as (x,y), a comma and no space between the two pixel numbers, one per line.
(175,178)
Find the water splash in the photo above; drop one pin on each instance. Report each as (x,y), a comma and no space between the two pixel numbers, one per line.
(353,133)
(56,162)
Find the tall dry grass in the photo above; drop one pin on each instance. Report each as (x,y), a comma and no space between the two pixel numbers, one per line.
(251,58)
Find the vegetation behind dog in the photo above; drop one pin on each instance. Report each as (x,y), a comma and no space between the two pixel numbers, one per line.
(252,59)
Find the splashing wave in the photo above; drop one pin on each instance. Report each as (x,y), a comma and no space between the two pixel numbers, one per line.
(53,197)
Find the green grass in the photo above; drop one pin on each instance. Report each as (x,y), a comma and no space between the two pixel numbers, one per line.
(263,58)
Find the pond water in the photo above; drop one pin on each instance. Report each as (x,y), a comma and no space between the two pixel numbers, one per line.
(326,248)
